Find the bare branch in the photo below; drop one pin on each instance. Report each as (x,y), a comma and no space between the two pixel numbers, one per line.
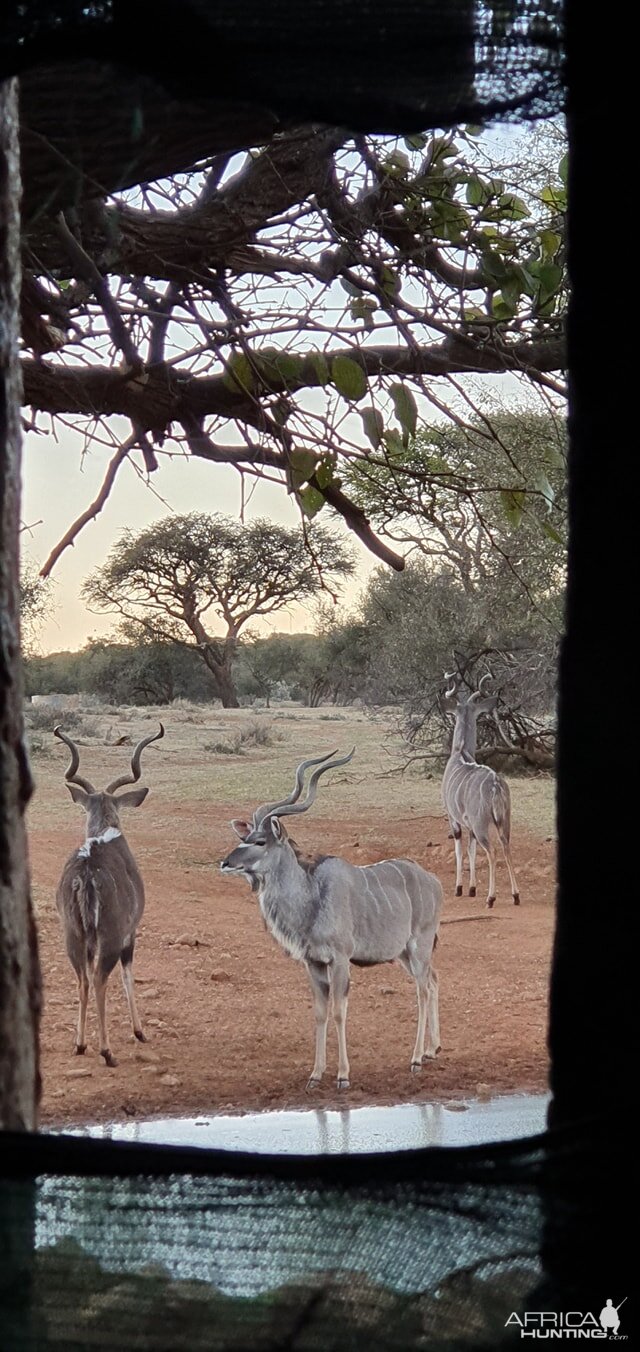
(93,510)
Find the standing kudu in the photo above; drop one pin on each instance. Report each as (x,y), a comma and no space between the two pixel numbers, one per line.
(100,895)
(328,913)
(474,796)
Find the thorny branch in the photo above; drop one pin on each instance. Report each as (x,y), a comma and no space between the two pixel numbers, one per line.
(236,294)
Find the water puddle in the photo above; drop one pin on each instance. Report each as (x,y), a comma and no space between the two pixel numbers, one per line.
(319,1131)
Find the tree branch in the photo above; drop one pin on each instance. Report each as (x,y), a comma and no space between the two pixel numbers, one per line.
(157,397)
(93,510)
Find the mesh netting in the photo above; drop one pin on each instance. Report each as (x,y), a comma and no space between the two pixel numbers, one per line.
(129,1247)
(376,65)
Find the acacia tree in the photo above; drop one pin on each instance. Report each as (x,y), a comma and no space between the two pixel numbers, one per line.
(35,604)
(423,623)
(169,581)
(282,311)
(485,501)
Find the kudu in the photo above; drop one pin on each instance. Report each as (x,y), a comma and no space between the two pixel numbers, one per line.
(100,895)
(474,796)
(328,913)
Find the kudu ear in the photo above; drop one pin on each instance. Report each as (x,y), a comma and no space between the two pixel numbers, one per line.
(484,706)
(242,829)
(132,799)
(79,795)
(277,829)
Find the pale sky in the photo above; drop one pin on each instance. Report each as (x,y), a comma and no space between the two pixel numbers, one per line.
(57,488)
(59,484)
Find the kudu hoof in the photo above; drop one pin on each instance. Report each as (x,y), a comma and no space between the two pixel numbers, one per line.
(490,903)
(516,898)
(343,1084)
(472,891)
(109,1058)
(80,1049)
(431,1056)
(458,891)
(137,1032)
(313,1083)
(416,1066)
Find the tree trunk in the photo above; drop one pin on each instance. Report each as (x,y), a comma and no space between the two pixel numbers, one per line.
(19,972)
(227,689)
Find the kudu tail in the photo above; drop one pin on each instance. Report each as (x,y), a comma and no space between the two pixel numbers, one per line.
(89,907)
(501,809)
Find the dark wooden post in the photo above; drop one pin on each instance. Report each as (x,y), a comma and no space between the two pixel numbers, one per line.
(19,972)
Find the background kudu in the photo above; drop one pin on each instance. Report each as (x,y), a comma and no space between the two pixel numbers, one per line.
(474,796)
(100,896)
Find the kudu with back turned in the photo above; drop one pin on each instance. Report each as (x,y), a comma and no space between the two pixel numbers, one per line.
(100,895)
(474,796)
(329,913)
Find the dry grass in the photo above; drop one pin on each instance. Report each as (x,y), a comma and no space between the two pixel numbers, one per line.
(272,743)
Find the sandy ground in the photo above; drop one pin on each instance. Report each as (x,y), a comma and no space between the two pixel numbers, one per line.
(227,1015)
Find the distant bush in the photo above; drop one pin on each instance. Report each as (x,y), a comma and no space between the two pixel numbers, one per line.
(241,740)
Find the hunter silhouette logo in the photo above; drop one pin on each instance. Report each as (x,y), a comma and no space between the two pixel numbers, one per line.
(549,1324)
(609,1317)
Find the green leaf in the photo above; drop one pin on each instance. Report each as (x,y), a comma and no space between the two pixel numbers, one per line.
(473,130)
(239,374)
(449,220)
(563,169)
(501,309)
(311,501)
(511,292)
(549,243)
(325,472)
(550,275)
(393,442)
(302,465)
(406,409)
(416,142)
(320,366)
(349,378)
(554,197)
(396,163)
(552,533)
(513,500)
(512,208)
(373,425)
(363,308)
(528,283)
(442,148)
(287,368)
(494,266)
(477,192)
(388,280)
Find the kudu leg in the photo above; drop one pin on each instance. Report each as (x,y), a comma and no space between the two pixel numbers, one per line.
(83,999)
(127,981)
(100,987)
(433,1017)
(319,978)
(457,842)
(340,993)
(472,865)
(490,851)
(512,877)
(418,1051)
(416,959)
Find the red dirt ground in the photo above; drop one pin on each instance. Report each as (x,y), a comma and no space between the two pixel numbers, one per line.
(229,1017)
